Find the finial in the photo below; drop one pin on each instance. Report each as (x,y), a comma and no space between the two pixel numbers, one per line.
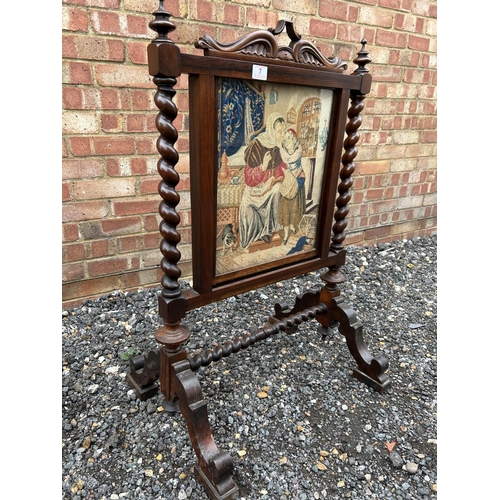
(362,59)
(162,24)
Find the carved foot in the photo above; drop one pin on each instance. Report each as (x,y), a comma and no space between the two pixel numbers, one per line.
(214,469)
(370,370)
(144,372)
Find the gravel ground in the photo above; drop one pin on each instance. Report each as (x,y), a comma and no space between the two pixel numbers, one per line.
(319,433)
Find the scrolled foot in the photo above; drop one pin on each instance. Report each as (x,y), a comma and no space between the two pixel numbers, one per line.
(370,370)
(214,469)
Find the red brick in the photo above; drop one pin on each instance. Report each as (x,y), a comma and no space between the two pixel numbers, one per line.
(80,146)
(72,272)
(100,248)
(129,244)
(137,123)
(110,99)
(378,232)
(391,39)
(106,4)
(418,42)
(152,240)
(182,145)
(416,189)
(135,207)
(95,48)
(66,191)
(137,25)
(80,211)
(88,288)
(107,266)
(323,29)
(232,14)
(110,123)
(151,222)
(137,52)
(90,97)
(74,19)
(80,73)
(374,194)
(146,145)
(120,225)
(373,167)
(143,100)
(171,6)
(106,22)
(70,232)
(74,252)
(114,145)
(138,166)
(204,10)
(149,186)
(429,136)
(357,197)
(390,4)
(72,98)
(69,47)
(342,11)
(113,167)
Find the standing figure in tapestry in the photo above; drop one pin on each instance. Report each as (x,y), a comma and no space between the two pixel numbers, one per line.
(293,201)
(264,173)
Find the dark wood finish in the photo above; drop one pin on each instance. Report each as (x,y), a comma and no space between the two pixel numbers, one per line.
(202,102)
(170,366)
(263,43)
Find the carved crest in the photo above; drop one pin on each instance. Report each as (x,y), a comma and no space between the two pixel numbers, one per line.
(263,43)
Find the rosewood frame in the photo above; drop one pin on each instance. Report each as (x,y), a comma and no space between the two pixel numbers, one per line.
(169,368)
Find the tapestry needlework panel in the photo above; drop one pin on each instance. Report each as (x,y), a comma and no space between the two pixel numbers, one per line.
(272,142)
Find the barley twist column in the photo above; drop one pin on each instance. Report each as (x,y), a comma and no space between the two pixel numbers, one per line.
(333,277)
(164,66)
(351,151)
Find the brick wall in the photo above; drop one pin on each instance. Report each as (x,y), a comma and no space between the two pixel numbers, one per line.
(109,178)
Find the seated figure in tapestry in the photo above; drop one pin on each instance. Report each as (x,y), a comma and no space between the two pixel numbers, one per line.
(264,174)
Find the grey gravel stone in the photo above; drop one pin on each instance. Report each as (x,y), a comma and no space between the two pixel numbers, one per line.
(137,451)
(396,459)
(411,467)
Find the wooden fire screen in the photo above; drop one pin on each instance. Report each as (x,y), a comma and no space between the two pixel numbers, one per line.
(272,133)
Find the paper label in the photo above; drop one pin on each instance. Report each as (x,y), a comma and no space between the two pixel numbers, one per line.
(259,72)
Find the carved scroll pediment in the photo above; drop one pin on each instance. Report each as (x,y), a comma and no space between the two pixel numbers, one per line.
(259,43)
(263,43)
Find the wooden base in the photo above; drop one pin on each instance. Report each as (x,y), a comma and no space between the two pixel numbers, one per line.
(374,384)
(142,392)
(231,492)
(180,383)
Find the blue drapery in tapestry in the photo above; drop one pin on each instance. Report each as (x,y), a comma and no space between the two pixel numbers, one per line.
(241,113)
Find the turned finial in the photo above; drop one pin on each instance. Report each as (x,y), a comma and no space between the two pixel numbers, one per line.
(162,24)
(362,59)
